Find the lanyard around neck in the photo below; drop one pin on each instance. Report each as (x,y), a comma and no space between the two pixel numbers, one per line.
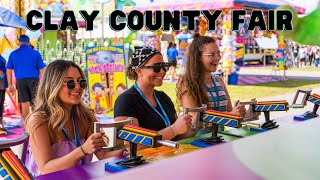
(76,142)
(216,100)
(164,117)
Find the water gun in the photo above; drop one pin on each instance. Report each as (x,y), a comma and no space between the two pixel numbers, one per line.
(267,106)
(215,118)
(135,136)
(308,97)
(11,167)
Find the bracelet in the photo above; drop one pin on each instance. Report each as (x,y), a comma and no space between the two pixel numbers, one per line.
(83,151)
(171,131)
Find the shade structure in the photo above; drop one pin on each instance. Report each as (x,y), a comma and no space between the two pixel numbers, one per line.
(11,19)
(180,5)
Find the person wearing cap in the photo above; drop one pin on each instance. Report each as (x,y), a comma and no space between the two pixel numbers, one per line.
(150,108)
(27,65)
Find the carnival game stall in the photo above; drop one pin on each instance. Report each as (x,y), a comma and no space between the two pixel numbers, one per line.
(231,149)
(238,47)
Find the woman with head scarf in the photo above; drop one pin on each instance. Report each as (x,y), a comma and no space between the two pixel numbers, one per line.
(150,108)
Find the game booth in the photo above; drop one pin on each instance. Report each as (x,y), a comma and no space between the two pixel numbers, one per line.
(248,150)
(239,48)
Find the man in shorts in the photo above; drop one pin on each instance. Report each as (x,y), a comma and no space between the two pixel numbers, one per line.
(28,66)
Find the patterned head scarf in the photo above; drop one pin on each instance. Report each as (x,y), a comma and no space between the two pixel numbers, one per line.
(142,55)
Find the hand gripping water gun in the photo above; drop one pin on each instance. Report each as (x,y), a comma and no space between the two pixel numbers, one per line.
(136,136)
(215,118)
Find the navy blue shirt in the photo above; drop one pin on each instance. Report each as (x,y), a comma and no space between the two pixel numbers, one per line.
(26,62)
(4,70)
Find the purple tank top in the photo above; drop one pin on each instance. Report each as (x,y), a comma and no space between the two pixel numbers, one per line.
(65,148)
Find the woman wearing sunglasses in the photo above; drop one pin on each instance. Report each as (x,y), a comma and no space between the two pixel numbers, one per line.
(61,126)
(198,85)
(150,108)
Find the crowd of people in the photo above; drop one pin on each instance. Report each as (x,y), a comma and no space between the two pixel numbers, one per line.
(301,56)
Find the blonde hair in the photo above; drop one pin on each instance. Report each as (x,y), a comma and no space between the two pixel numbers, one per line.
(48,107)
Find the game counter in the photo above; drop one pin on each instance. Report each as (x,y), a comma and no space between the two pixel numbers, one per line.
(287,153)
(225,153)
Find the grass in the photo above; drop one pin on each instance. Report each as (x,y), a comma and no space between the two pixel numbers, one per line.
(308,69)
(247,92)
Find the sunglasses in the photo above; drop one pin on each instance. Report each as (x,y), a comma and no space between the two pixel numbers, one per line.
(157,67)
(71,84)
(213,55)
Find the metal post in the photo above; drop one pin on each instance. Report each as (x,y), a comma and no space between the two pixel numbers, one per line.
(102,20)
(264,58)
(102,23)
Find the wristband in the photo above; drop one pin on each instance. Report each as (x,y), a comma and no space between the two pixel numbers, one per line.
(171,131)
(83,151)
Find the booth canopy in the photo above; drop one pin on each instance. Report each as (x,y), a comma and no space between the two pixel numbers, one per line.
(212,5)
(267,43)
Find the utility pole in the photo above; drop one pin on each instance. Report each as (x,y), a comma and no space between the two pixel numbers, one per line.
(20,10)
(102,22)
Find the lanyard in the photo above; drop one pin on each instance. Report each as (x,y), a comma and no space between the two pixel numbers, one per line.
(165,118)
(77,136)
(216,100)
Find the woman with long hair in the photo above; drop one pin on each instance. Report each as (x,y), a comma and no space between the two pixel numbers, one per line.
(198,85)
(61,126)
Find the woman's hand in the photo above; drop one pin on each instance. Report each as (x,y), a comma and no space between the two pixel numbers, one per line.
(94,143)
(238,109)
(250,114)
(182,124)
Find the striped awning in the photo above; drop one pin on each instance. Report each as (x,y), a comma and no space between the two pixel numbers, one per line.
(212,5)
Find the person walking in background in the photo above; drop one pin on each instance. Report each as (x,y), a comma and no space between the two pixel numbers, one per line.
(295,56)
(3,84)
(303,56)
(27,65)
(313,53)
(173,57)
(317,57)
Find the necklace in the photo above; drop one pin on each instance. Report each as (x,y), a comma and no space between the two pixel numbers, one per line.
(68,127)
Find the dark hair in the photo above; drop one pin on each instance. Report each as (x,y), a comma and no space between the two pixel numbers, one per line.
(97,85)
(169,45)
(193,77)
(140,57)
(174,45)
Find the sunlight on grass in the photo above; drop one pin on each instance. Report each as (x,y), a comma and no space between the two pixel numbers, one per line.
(247,92)
(308,69)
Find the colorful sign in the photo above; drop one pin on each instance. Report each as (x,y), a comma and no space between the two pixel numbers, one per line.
(106,76)
(183,44)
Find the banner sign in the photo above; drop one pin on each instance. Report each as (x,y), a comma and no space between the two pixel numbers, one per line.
(106,76)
